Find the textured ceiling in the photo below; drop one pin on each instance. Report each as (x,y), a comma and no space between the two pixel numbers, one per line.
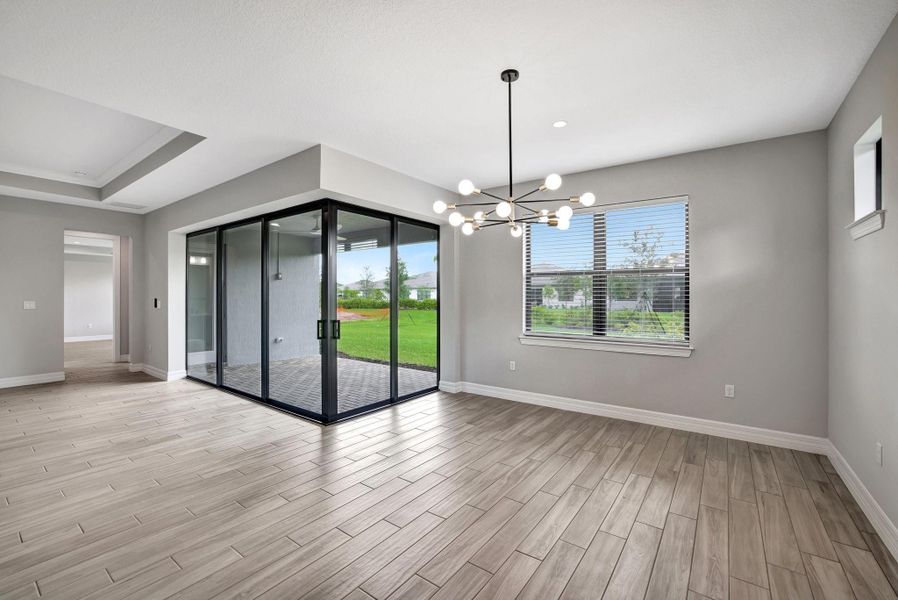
(414,85)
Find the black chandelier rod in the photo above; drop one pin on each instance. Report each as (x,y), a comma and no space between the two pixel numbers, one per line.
(510,179)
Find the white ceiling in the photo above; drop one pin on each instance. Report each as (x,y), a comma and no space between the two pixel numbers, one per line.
(50,135)
(414,85)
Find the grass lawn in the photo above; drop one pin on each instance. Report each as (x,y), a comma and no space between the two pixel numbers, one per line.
(370,338)
(621,323)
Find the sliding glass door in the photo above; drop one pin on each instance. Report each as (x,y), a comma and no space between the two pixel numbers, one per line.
(241,327)
(202,250)
(295,311)
(417,285)
(362,286)
(325,310)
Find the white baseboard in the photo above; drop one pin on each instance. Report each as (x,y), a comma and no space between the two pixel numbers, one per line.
(157,373)
(877,516)
(8,382)
(758,435)
(88,338)
(453,387)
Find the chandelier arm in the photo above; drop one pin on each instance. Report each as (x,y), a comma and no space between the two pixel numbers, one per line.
(525,207)
(549,200)
(475,204)
(527,194)
(492,196)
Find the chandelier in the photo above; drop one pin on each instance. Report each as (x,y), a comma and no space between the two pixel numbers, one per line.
(504,211)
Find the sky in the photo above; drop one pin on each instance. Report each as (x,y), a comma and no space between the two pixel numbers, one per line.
(572,249)
(418,259)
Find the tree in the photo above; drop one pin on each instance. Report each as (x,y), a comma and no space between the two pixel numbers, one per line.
(643,248)
(643,254)
(367,281)
(401,278)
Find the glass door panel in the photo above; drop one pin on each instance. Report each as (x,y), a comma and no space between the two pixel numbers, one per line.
(201,265)
(242,308)
(417,273)
(295,329)
(362,325)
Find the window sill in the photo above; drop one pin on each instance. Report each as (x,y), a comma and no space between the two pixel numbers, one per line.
(607,346)
(875,221)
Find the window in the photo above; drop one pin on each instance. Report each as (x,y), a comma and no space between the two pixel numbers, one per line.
(618,274)
(868,213)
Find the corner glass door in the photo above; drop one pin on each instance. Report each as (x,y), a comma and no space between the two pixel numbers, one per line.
(362,324)
(324,310)
(295,328)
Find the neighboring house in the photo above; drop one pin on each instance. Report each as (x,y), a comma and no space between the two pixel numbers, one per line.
(421,287)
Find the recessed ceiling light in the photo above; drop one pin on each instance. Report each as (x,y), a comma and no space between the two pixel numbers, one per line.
(79,243)
(79,173)
(559,124)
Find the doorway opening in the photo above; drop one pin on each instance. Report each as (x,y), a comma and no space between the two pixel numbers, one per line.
(96,286)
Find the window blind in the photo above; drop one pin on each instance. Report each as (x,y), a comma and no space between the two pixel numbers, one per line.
(618,273)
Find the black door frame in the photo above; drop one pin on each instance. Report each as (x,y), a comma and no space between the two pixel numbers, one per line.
(328,210)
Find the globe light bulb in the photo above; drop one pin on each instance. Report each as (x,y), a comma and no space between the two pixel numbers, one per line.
(456,219)
(503,209)
(565,213)
(466,187)
(563,224)
(588,199)
(544,215)
(439,207)
(516,231)
(479,216)
(553,182)
(467,228)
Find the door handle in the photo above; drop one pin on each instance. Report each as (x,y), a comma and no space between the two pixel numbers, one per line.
(335,329)
(320,329)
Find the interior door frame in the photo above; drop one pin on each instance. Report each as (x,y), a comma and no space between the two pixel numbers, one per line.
(328,209)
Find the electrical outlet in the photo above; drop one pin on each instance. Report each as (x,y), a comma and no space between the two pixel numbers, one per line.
(878,455)
(512,366)
(729,391)
(29,305)
(149,347)
(90,325)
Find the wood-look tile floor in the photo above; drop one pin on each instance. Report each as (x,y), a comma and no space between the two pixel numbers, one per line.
(114,485)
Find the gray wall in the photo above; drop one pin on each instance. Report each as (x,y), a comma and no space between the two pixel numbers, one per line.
(31,247)
(88,295)
(759,286)
(863,286)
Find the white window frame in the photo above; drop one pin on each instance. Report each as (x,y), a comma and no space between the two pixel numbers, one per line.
(615,344)
(869,216)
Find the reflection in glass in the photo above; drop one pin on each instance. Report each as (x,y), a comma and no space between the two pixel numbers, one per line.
(201,307)
(294,305)
(363,310)
(417,283)
(242,299)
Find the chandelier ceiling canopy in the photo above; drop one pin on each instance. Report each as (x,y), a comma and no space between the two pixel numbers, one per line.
(505,211)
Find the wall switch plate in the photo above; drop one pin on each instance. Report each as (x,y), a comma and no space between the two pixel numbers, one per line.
(729,391)
(29,305)
(512,366)
(878,455)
